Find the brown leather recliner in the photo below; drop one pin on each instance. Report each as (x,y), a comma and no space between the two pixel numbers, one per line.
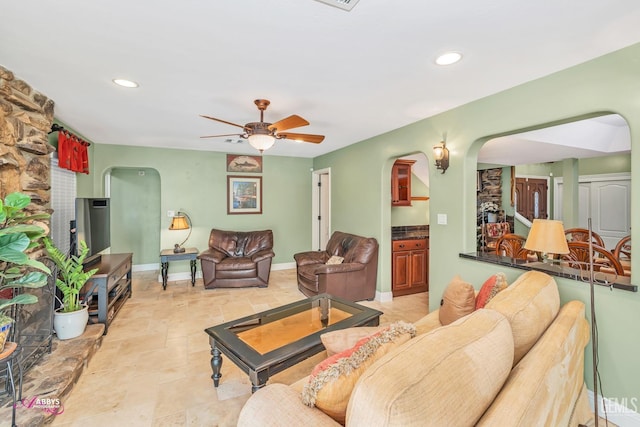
(354,279)
(237,259)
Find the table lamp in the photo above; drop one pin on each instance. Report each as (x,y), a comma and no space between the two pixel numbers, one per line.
(546,237)
(181,221)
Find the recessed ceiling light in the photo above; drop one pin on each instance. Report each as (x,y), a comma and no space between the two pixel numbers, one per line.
(125,83)
(448,58)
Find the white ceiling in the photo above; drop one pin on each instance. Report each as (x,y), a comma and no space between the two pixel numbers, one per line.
(600,136)
(353,75)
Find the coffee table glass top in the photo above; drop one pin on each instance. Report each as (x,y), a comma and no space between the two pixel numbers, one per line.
(276,333)
(264,337)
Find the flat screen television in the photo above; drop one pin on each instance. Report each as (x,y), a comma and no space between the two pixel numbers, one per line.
(92,224)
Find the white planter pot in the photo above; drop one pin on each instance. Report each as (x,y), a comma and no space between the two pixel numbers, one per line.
(70,325)
(492,217)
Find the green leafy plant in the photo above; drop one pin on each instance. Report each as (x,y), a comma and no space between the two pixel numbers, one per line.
(17,236)
(71,275)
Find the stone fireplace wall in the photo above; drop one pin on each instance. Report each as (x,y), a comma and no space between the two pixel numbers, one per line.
(26,116)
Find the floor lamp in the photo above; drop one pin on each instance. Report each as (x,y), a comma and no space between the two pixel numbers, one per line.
(547,237)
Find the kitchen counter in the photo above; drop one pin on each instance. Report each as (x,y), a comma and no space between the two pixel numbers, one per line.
(410,232)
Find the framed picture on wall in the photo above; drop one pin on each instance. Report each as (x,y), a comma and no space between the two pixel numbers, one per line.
(244,164)
(244,195)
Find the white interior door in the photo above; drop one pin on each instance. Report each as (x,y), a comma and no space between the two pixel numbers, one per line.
(321,209)
(610,210)
(604,199)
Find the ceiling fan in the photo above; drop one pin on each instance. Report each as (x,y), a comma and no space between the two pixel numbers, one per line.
(262,135)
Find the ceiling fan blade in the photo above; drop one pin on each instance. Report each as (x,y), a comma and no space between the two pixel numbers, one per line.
(304,137)
(226,134)
(222,121)
(290,122)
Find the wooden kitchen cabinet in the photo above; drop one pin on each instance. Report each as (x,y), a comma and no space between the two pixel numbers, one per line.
(410,266)
(401,182)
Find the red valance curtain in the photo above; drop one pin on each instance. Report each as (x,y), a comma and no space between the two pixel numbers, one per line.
(72,153)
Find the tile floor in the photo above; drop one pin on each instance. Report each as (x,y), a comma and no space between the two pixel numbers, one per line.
(153,368)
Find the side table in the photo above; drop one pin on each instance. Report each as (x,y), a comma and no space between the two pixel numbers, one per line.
(167,255)
(8,357)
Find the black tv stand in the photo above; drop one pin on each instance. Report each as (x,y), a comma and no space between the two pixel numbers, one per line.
(93,260)
(112,286)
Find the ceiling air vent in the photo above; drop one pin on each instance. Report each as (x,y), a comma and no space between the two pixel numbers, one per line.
(342,4)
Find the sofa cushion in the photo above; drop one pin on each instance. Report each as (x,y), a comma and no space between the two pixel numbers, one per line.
(446,377)
(543,388)
(343,339)
(458,300)
(490,288)
(256,241)
(530,304)
(224,241)
(332,380)
(236,263)
(335,259)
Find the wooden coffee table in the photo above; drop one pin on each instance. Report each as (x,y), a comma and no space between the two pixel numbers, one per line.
(266,343)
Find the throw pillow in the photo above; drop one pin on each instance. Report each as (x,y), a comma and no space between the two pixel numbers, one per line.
(343,339)
(332,381)
(490,289)
(458,300)
(335,259)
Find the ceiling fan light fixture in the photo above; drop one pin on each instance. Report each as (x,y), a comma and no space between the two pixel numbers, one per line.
(261,142)
(448,58)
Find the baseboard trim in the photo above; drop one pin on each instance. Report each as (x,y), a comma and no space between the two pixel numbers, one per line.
(622,412)
(283,266)
(145,267)
(383,296)
(186,275)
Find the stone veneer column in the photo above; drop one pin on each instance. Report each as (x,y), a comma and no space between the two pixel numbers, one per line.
(491,190)
(26,116)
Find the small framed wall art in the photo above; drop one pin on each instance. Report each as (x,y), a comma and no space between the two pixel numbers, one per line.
(244,164)
(244,195)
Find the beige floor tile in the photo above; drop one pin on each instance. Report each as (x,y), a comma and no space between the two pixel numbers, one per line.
(154,366)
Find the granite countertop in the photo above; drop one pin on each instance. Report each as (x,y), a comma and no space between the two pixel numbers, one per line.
(410,232)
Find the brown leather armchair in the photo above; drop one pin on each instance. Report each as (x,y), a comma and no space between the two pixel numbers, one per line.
(237,259)
(354,279)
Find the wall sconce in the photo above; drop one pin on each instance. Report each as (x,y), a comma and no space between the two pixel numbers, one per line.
(441,154)
(181,221)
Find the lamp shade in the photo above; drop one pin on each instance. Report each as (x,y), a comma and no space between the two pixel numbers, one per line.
(547,236)
(179,222)
(438,152)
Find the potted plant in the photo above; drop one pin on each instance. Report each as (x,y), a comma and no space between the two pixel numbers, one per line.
(70,320)
(491,209)
(17,236)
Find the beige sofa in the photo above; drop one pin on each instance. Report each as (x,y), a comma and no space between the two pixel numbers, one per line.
(517,362)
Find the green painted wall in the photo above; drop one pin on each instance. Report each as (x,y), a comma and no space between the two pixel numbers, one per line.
(135,214)
(196,181)
(418,212)
(361,200)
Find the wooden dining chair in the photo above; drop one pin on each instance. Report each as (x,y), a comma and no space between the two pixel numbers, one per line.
(582,235)
(622,252)
(623,249)
(493,231)
(604,261)
(512,245)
